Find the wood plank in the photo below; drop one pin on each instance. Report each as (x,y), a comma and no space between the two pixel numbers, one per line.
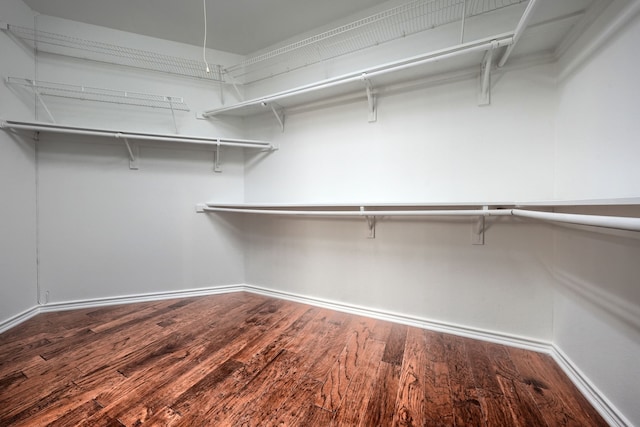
(413,384)
(354,354)
(77,415)
(357,396)
(466,404)
(395,343)
(490,392)
(519,401)
(550,390)
(439,394)
(264,394)
(382,404)
(296,407)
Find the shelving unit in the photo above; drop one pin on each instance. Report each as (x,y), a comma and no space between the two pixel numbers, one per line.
(87,93)
(75,47)
(358,80)
(398,22)
(382,27)
(132,148)
(372,212)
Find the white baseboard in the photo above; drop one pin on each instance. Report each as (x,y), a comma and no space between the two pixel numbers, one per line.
(130,299)
(599,401)
(103,302)
(18,318)
(449,328)
(595,397)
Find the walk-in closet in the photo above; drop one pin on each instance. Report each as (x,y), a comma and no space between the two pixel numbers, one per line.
(349,213)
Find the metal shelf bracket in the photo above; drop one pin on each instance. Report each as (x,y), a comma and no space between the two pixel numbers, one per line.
(371,224)
(484,95)
(134,153)
(279,114)
(371,99)
(36,91)
(217,167)
(221,83)
(478,229)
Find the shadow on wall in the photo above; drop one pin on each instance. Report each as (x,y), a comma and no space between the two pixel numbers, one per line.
(602,268)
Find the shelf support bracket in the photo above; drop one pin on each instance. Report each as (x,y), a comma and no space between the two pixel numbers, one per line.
(279,114)
(484,97)
(221,85)
(371,99)
(217,167)
(478,229)
(463,20)
(133,154)
(235,86)
(173,114)
(371,224)
(39,97)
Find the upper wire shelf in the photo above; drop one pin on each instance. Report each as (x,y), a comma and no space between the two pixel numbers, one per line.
(394,23)
(87,93)
(103,52)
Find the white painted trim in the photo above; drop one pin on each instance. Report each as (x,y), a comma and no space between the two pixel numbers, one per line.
(449,328)
(130,299)
(13,321)
(598,399)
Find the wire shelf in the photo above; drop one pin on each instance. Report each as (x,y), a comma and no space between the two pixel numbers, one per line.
(113,54)
(392,24)
(87,93)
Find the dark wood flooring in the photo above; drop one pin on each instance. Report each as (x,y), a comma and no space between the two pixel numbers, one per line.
(246,360)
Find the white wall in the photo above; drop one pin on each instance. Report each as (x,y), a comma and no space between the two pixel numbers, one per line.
(598,110)
(430,144)
(17,180)
(424,269)
(105,230)
(597,308)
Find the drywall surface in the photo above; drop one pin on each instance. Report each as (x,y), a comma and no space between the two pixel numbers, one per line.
(426,269)
(18,273)
(106,230)
(597,309)
(429,144)
(597,133)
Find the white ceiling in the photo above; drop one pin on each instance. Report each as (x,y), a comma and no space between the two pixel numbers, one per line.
(237,26)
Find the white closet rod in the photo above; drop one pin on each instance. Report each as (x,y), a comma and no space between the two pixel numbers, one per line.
(616,222)
(45,127)
(620,223)
(475,46)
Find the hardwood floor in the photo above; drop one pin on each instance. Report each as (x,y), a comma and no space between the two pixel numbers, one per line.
(246,360)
